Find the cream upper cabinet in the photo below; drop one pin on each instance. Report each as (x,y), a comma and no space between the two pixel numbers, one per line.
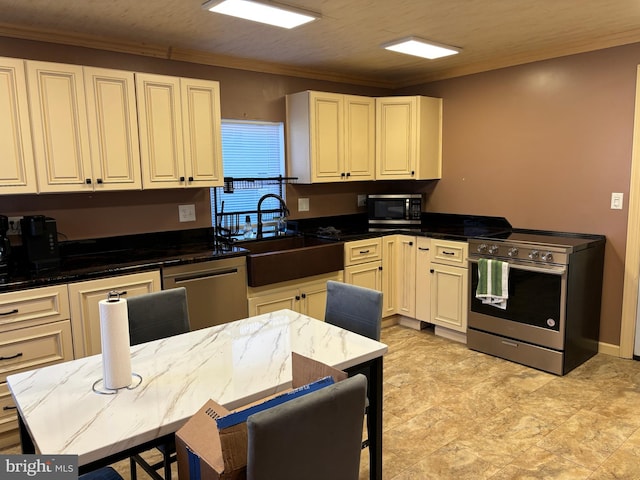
(408,138)
(59,127)
(330,137)
(17,174)
(179,123)
(84,128)
(113,129)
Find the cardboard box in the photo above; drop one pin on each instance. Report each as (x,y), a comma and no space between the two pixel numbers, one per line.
(207,452)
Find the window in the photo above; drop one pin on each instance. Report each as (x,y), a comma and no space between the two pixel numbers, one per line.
(250,149)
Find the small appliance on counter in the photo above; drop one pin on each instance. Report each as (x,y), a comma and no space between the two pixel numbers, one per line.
(394,210)
(40,242)
(5,245)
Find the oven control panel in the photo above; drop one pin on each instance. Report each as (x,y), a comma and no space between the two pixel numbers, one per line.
(505,251)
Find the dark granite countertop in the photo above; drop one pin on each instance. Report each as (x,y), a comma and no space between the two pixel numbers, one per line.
(104,257)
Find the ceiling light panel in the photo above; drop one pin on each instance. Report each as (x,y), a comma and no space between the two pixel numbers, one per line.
(421,48)
(263,12)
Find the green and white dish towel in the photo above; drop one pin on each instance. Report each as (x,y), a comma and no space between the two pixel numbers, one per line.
(493,282)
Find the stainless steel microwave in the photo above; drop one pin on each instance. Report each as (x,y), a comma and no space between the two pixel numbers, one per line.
(394,210)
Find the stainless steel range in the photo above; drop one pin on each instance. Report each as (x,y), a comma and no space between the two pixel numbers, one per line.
(552,317)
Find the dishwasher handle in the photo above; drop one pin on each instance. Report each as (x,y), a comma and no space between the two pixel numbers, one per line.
(199,276)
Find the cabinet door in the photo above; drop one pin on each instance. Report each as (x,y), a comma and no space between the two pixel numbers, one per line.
(201,133)
(396,147)
(314,299)
(368,275)
(423,280)
(449,297)
(389,275)
(113,129)
(271,302)
(59,123)
(359,138)
(17,174)
(85,312)
(406,276)
(160,128)
(326,130)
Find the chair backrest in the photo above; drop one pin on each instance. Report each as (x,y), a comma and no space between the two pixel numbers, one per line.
(354,308)
(315,437)
(158,315)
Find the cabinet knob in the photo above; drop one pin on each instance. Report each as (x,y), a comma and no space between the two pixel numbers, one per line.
(380,267)
(411,244)
(304,295)
(413,173)
(88,181)
(348,174)
(182,179)
(191,179)
(341,174)
(431,271)
(99,181)
(297,297)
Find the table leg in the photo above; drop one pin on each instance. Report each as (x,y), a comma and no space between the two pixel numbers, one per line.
(373,371)
(25,439)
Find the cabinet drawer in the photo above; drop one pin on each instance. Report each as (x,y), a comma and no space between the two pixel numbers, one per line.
(449,252)
(8,410)
(35,347)
(362,251)
(26,308)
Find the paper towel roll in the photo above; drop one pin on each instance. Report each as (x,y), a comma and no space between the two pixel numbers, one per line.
(114,335)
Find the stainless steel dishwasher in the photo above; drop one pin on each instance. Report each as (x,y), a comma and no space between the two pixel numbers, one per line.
(216,290)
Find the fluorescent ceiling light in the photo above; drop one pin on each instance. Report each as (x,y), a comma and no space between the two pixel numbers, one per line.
(421,48)
(263,12)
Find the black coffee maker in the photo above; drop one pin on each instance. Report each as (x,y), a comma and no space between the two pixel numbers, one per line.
(40,241)
(5,245)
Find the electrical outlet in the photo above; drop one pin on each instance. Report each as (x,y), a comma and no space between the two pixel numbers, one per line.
(303,204)
(362,200)
(187,213)
(14,226)
(616,201)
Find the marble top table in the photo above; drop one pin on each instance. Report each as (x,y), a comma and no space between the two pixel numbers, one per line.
(233,363)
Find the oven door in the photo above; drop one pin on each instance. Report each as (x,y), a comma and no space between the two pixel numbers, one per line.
(535,310)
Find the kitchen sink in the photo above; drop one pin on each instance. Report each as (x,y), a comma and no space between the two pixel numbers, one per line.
(276,260)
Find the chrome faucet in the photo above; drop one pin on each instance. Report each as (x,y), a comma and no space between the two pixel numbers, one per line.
(262,199)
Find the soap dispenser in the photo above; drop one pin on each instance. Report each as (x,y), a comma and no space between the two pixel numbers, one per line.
(248,229)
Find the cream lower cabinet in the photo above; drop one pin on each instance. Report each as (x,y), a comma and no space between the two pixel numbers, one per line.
(423,279)
(35,331)
(307,296)
(406,275)
(84,298)
(84,128)
(179,126)
(17,174)
(389,275)
(449,284)
(408,138)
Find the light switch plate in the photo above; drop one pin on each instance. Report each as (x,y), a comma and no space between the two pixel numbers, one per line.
(187,213)
(362,200)
(14,226)
(617,201)
(303,204)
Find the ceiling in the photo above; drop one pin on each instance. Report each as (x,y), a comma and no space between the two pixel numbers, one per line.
(344,45)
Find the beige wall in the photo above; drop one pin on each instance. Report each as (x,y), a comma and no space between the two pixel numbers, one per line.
(543,145)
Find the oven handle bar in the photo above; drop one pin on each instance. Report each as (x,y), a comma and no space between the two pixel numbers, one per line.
(552,269)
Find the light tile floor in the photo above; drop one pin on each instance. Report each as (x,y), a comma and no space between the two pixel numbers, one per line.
(452,413)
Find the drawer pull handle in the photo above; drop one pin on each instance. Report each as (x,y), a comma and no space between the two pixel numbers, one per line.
(444,252)
(19,354)
(15,310)
(362,252)
(423,249)
(510,344)
(9,407)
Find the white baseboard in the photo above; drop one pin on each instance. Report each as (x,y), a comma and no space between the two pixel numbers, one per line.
(410,323)
(450,334)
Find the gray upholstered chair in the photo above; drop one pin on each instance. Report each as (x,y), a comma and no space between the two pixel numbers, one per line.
(354,308)
(315,437)
(357,309)
(153,316)
(105,473)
